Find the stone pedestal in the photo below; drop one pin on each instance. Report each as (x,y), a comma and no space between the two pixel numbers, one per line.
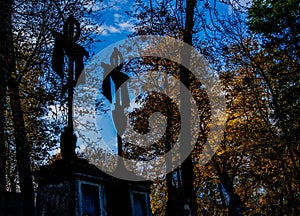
(78,188)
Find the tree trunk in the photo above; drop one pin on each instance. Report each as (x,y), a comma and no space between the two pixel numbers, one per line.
(173,203)
(23,149)
(6,64)
(235,203)
(187,165)
(185,194)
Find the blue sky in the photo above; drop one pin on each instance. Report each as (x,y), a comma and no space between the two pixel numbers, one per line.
(117,24)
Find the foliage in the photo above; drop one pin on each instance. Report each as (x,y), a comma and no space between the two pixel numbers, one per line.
(170,18)
(278,22)
(260,152)
(254,51)
(255,169)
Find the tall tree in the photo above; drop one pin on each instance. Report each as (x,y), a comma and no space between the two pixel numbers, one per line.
(278,24)
(176,19)
(7,65)
(23,149)
(264,74)
(187,166)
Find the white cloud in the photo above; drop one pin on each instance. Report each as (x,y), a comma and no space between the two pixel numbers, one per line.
(111,29)
(116,22)
(115,5)
(117,25)
(118,17)
(98,6)
(105,33)
(126,26)
(118,2)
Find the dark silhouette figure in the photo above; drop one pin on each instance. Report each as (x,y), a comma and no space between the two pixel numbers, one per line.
(65,44)
(114,58)
(113,72)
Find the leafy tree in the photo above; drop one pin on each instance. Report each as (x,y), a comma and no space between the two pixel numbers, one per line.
(278,25)
(6,66)
(33,88)
(176,19)
(278,22)
(259,73)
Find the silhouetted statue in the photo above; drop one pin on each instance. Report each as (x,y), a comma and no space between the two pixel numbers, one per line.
(113,72)
(106,85)
(114,58)
(65,44)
